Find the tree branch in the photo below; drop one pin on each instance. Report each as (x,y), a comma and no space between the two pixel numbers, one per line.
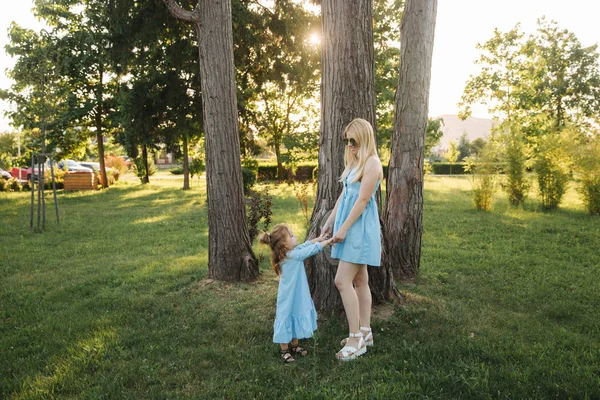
(178,12)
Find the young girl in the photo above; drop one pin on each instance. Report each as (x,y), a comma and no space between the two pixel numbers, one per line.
(296,317)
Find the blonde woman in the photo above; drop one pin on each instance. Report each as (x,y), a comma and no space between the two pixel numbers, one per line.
(357,236)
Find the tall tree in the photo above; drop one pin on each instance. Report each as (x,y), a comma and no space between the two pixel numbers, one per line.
(403,214)
(230,255)
(565,75)
(159,55)
(348,74)
(387,15)
(277,66)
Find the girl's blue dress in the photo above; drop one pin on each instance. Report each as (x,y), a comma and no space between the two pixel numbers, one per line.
(362,244)
(296,315)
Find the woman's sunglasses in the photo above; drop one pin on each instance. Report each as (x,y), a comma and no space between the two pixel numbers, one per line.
(352,142)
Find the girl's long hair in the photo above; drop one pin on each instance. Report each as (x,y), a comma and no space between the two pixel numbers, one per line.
(361,131)
(276,240)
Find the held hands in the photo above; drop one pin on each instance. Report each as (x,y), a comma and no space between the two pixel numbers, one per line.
(324,239)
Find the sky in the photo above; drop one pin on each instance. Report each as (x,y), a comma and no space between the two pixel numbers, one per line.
(460,25)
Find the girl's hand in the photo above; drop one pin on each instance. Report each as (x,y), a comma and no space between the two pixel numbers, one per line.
(339,236)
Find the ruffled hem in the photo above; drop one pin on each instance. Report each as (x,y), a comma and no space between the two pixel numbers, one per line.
(295,326)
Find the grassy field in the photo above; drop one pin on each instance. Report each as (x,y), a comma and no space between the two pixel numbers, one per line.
(115,305)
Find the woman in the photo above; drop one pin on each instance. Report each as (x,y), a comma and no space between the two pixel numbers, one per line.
(355,221)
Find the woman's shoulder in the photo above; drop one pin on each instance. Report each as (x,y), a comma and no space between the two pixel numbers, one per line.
(373,166)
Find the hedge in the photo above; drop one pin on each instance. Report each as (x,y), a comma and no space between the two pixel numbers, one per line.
(448,168)
(307,172)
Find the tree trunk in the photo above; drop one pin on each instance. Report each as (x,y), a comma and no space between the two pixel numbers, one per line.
(186,164)
(230,255)
(99,136)
(347,92)
(146,177)
(403,215)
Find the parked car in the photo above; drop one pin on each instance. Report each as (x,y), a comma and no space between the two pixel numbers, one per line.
(95,166)
(25,173)
(73,166)
(5,174)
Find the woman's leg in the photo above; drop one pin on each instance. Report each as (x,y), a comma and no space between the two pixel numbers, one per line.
(343,281)
(363,293)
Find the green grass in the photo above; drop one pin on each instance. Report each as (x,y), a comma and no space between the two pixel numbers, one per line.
(115,305)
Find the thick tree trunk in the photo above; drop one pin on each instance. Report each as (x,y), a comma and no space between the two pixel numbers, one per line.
(347,92)
(186,164)
(403,215)
(230,255)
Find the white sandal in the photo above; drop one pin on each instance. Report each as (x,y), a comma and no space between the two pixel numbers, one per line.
(368,338)
(348,353)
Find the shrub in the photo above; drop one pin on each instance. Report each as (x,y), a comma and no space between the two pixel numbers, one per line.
(587,165)
(552,166)
(117,163)
(259,208)
(3,185)
(483,168)
(301,191)
(249,179)
(14,185)
(516,185)
(197,166)
(177,171)
(139,169)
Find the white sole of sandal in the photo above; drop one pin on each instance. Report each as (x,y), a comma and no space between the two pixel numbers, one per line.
(354,355)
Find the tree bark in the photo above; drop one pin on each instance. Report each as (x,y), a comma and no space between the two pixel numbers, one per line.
(99,135)
(347,92)
(230,255)
(146,177)
(403,215)
(186,164)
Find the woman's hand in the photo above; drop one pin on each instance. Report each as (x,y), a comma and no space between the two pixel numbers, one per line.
(339,236)
(327,228)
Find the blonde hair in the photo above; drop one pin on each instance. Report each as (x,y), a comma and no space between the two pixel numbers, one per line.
(277,240)
(361,131)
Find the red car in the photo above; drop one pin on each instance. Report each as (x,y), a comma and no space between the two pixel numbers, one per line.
(21,173)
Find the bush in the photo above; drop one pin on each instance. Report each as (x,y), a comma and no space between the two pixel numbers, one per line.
(516,185)
(177,171)
(3,185)
(249,178)
(587,165)
(259,208)
(139,169)
(483,168)
(14,185)
(197,166)
(117,163)
(552,168)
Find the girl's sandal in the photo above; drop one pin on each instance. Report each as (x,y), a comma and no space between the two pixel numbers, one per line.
(348,353)
(287,356)
(368,337)
(299,350)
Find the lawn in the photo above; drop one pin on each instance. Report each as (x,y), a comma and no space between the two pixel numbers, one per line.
(116,305)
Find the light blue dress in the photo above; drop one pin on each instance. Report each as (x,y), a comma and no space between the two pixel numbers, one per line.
(296,316)
(362,244)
